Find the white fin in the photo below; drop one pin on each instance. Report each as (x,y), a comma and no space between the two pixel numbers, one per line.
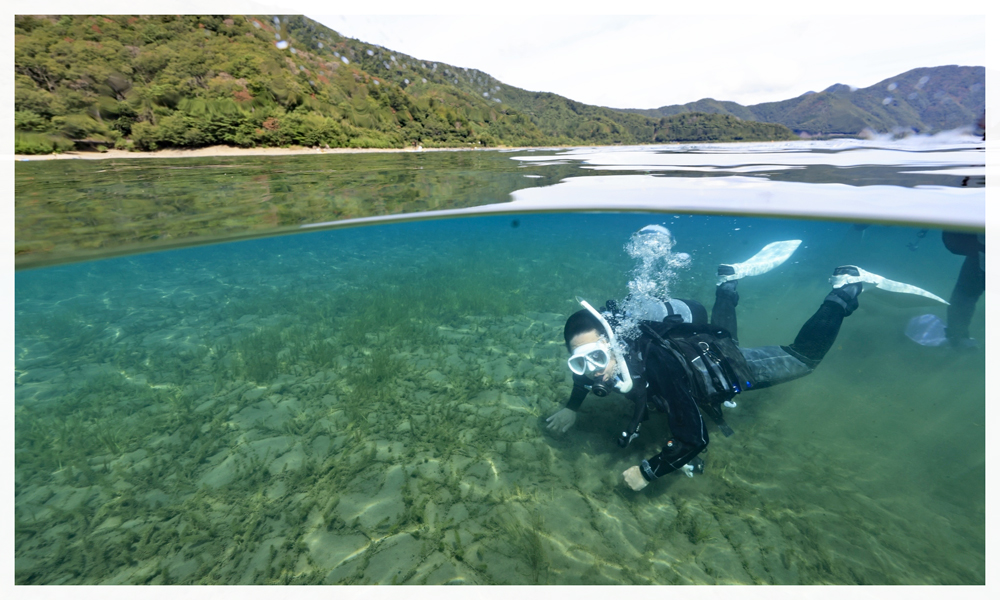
(883,284)
(768,258)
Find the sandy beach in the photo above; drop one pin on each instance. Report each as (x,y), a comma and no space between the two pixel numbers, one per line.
(234,151)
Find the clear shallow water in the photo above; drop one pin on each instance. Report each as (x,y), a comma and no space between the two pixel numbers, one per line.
(367,405)
(74,210)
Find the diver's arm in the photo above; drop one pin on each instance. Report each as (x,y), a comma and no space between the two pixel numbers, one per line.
(674,456)
(577,395)
(562,420)
(639,414)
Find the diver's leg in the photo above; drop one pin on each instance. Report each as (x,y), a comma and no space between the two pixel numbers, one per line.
(724,310)
(969,287)
(818,333)
(770,365)
(726,298)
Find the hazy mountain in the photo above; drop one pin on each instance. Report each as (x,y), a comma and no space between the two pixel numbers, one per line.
(924,100)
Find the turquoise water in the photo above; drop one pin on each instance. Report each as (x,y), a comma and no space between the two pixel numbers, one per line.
(367,405)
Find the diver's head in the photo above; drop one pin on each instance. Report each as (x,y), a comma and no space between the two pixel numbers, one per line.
(589,328)
(582,321)
(590,352)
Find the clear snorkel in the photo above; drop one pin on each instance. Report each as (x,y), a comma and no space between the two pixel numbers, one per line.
(623,383)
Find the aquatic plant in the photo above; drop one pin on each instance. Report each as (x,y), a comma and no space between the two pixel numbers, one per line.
(258,354)
(373,380)
(687,523)
(109,437)
(322,353)
(523,541)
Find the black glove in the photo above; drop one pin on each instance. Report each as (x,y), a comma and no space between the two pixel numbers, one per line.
(626,438)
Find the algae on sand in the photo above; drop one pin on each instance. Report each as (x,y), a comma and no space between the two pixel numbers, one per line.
(365,417)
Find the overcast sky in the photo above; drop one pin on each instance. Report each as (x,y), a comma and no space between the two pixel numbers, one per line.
(643,56)
(651,61)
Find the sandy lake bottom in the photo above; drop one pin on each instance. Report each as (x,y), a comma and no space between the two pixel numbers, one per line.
(285,413)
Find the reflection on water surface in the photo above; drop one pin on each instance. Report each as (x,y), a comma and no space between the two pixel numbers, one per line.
(70,210)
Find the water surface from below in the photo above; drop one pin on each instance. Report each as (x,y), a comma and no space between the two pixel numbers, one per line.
(73,210)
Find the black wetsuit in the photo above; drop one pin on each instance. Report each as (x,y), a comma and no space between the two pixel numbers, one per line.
(659,378)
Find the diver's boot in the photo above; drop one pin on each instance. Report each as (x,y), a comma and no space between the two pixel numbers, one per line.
(727,273)
(850,275)
(845,294)
(769,257)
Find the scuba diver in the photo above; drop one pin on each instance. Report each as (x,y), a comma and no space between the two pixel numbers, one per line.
(664,353)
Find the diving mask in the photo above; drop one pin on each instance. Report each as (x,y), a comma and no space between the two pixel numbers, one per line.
(590,358)
(623,383)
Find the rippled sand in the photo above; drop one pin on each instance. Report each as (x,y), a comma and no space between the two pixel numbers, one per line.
(411,448)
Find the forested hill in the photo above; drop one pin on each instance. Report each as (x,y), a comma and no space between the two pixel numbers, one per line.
(148,82)
(924,100)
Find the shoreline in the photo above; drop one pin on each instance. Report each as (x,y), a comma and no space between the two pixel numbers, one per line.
(212,151)
(220,150)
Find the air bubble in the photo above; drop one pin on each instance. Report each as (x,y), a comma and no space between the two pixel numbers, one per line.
(656,269)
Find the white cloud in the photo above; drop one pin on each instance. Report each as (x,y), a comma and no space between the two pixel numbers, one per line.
(650,61)
(633,59)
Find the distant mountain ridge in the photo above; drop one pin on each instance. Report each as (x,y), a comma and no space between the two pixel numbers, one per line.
(924,100)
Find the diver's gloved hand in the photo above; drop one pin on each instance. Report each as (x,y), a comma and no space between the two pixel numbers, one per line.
(634,479)
(562,420)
